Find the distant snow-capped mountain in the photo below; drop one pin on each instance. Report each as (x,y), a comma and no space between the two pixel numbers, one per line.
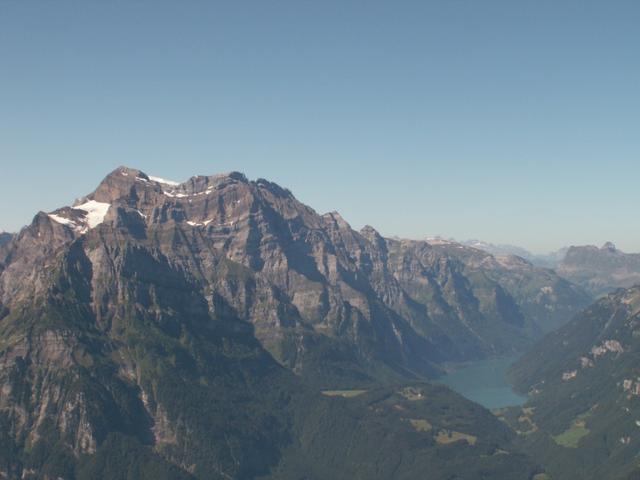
(549,260)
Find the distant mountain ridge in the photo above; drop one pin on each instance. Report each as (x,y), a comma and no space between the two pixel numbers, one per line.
(541,295)
(549,260)
(501,249)
(600,270)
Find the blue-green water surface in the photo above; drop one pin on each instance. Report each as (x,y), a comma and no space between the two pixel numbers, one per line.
(484,382)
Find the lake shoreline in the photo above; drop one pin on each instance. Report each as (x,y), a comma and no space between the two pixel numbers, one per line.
(484,382)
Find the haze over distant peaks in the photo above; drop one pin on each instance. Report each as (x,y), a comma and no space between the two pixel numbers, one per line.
(600,270)
(501,249)
(548,260)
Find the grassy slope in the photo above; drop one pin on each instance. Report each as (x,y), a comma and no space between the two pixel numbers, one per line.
(583,426)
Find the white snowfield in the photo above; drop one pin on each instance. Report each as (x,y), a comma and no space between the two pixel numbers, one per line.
(95,213)
(162,180)
(62,220)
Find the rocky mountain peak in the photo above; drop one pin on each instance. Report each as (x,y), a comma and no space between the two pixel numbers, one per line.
(199,183)
(121,185)
(370,233)
(609,246)
(600,270)
(274,188)
(337,219)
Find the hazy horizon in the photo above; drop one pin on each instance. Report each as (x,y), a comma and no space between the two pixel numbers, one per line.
(514,123)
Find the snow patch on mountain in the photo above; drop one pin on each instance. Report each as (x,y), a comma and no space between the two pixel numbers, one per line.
(62,220)
(438,240)
(175,195)
(96,212)
(92,215)
(164,181)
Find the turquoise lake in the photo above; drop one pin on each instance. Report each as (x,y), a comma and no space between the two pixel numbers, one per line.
(484,382)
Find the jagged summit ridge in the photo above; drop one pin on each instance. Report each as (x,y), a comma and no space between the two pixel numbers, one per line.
(150,197)
(315,290)
(600,270)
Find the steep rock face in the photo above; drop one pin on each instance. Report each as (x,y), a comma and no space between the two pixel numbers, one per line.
(122,344)
(600,270)
(132,333)
(512,289)
(279,268)
(583,381)
(545,260)
(346,306)
(443,302)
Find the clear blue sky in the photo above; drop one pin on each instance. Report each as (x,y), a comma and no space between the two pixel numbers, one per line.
(511,121)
